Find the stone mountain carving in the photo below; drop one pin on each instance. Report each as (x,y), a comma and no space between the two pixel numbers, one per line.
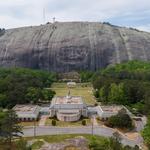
(72,54)
(72,46)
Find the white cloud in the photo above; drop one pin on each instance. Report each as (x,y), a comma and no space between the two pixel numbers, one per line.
(15,13)
(144,27)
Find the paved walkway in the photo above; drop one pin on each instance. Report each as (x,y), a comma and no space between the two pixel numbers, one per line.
(140,124)
(43,120)
(96,130)
(94,121)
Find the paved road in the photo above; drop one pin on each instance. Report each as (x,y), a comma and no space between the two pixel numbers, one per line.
(97,130)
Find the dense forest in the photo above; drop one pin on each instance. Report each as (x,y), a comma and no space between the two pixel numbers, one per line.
(19,86)
(128,84)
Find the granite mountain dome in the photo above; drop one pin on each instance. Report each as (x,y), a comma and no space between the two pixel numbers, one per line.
(71,46)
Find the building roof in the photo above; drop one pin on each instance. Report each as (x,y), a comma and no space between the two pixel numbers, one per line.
(112,109)
(27,110)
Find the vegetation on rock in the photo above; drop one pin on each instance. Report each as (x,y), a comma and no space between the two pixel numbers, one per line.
(2,31)
(110,144)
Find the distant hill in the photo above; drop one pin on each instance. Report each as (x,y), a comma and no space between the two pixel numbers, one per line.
(72,46)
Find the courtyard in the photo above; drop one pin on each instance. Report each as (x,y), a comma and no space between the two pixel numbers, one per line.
(84,90)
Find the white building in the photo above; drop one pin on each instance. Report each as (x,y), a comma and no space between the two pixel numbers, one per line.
(104,112)
(68,108)
(27,112)
(71,84)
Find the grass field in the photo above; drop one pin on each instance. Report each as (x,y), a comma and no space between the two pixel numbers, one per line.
(62,137)
(28,123)
(82,89)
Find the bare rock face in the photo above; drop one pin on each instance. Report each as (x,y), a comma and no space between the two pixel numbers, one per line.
(72,46)
(78,143)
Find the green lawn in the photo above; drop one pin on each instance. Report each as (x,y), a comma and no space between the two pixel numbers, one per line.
(62,137)
(82,89)
(67,124)
(28,123)
(37,145)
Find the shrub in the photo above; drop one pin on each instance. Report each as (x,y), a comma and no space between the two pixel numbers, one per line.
(53,122)
(83,122)
(96,104)
(120,121)
(96,93)
(22,145)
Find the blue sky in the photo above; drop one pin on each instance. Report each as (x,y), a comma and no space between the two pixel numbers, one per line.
(130,13)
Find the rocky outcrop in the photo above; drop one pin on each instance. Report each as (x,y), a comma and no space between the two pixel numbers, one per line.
(77,143)
(71,46)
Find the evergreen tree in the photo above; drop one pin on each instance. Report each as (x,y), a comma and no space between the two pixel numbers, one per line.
(10,127)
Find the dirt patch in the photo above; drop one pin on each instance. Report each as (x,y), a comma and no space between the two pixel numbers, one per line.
(132,135)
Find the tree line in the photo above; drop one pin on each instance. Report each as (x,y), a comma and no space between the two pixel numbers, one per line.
(126,84)
(112,86)
(20,86)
